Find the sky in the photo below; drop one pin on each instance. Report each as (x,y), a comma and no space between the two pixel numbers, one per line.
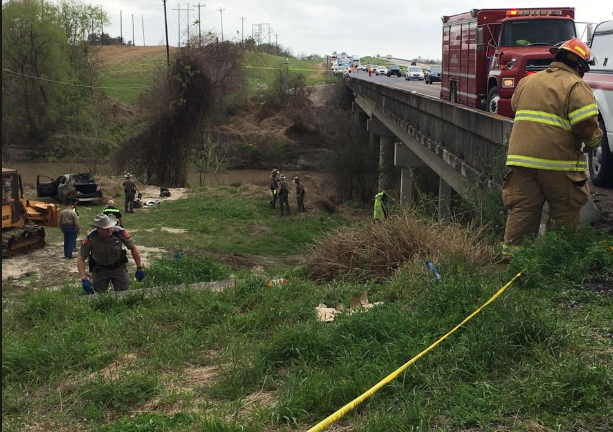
(405,29)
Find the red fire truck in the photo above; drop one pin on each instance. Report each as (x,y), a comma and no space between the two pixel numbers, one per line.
(487,51)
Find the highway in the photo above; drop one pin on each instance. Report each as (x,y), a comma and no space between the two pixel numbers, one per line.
(421,87)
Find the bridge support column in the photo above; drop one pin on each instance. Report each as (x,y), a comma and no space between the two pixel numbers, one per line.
(444,200)
(405,158)
(407,186)
(386,162)
(386,151)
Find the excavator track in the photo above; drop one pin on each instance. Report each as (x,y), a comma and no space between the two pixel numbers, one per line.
(17,241)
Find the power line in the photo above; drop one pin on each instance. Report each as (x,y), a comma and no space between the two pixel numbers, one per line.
(70,84)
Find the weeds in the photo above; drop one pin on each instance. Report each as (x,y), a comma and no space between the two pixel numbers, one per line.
(376,251)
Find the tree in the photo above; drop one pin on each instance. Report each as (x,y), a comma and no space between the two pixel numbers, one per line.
(45,50)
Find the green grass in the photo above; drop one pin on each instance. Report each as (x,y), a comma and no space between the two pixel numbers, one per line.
(133,78)
(539,356)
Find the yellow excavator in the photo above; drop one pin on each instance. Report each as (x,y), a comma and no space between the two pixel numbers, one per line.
(23,220)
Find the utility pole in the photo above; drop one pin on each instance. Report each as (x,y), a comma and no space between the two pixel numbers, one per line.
(199,22)
(133,38)
(166,26)
(243,30)
(189,24)
(220,10)
(277,42)
(120,27)
(143,24)
(102,25)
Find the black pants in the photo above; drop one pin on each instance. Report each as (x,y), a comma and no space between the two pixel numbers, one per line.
(283,202)
(129,203)
(300,201)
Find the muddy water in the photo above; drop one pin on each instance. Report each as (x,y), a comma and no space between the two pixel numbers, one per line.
(29,171)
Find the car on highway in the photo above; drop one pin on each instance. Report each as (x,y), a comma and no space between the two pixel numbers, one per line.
(81,186)
(381,70)
(433,74)
(600,79)
(394,70)
(414,73)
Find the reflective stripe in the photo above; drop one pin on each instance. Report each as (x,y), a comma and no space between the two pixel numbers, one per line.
(543,117)
(593,143)
(509,250)
(546,164)
(582,113)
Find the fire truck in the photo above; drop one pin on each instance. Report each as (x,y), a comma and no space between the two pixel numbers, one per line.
(487,51)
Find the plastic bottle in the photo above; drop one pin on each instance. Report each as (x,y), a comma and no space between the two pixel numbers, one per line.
(435,271)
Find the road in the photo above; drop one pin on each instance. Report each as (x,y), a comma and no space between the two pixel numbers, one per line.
(433,89)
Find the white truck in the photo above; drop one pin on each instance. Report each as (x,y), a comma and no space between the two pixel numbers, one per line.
(600,79)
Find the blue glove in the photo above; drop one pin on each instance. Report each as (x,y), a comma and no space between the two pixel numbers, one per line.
(140,274)
(87,286)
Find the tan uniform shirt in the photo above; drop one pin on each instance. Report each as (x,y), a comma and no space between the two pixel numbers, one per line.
(129,186)
(106,251)
(69,217)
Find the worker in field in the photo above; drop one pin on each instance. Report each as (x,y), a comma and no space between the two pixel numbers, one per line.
(274,186)
(111,210)
(283,193)
(69,224)
(130,189)
(369,70)
(556,121)
(107,259)
(300,191)
(381,207)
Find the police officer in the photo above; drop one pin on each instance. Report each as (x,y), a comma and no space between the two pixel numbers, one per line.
(103,247)
(283,193)
(300,191)
(274,185)
(130,189)
(69,224)
(111,210)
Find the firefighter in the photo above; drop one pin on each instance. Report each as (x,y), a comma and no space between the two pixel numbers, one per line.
(555,112)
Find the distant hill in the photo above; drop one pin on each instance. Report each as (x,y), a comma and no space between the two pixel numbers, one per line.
(132,69)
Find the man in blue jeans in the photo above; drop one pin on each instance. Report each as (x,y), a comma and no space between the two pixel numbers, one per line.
(69,224)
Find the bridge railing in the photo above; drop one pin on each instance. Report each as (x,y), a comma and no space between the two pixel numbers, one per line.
(473,142)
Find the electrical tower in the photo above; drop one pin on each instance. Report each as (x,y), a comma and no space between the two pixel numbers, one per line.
(183,20)
(261,33)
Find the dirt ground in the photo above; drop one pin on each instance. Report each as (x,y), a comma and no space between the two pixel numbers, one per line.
(114,55)
(28,270)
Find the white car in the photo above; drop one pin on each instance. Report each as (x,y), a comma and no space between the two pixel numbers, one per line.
(600,79)
(414,73)
(381,70)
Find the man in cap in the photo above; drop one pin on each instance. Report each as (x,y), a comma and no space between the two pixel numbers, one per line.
(130,189)
(69,224)
(283,192)
(274,185)
(300,191)
(111,210)
(103,247)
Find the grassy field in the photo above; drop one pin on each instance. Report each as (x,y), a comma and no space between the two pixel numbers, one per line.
(131,75)
(255,358)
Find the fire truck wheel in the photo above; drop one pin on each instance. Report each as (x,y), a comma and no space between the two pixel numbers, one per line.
(600,161)
(492,100)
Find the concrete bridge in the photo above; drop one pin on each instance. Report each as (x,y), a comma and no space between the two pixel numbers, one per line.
(462,149)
